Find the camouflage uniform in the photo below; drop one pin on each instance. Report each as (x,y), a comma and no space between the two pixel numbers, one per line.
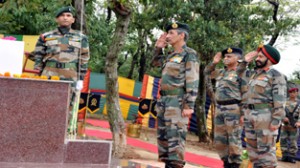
(263,104)
(289,134)
(64,55)
(61,55)
(179,87)
(227,130)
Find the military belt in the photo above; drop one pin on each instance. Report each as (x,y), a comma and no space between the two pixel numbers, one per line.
(228,102)
(258,106)
(60,65)
(171,92)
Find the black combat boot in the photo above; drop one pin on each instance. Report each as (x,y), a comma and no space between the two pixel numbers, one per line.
(226,164)
(284,159)
(291,159)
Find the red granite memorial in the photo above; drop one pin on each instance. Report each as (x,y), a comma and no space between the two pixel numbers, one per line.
(34,119)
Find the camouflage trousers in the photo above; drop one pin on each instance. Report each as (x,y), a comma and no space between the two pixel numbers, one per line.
(260,140)
(228,133)
(171,131)
(288,140)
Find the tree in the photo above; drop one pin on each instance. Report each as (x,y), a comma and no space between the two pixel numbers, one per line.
(214,27)
(116,121)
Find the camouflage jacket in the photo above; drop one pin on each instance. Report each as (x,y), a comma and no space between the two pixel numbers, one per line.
(180,71)
(228,83)
(290,106)
(61,55)
(267,86)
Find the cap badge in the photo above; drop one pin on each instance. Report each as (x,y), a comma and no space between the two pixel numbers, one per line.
(229,50)
(174,25)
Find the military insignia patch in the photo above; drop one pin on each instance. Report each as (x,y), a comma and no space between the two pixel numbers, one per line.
(229,50)
(145,107)
(174,25)
(176,59)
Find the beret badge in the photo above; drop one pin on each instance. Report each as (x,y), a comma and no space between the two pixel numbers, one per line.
(174,25)
(229,50)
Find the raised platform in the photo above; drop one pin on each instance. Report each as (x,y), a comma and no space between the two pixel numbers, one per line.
(33,128)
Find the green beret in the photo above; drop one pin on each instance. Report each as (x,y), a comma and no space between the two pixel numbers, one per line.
(270,52)
(232,50)
(68,9)
(177,25)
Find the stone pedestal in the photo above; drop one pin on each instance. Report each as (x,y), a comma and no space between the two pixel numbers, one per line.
(33,125)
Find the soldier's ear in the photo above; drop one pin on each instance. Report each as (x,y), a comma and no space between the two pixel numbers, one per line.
(73,19)
(56,20)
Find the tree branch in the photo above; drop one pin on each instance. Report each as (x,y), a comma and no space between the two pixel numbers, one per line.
(275,4)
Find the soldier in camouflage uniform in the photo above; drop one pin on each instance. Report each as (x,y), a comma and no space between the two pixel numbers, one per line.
(263,105)
(179,87)
(229,117)
(63,52)
(289,133)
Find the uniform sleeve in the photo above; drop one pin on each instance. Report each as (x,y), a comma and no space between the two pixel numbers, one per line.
(39,53)
(297,111)
(210,70)
(244,75)
(279,98)
(85,56)
(158,58)
(192,80)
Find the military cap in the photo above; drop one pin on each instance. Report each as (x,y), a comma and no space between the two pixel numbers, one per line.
(293,89)
(68,9)
(232,50)
(177,25)
(270,52)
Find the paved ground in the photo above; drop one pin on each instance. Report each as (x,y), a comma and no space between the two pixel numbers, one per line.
(148,158)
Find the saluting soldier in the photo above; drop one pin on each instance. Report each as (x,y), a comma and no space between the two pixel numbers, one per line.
(179,87)
(229,117)
(289,131)
(263,105)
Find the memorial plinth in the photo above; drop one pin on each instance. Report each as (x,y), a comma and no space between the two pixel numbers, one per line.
(33,125)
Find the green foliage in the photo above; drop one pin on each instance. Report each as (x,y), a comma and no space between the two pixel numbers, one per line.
(29,17)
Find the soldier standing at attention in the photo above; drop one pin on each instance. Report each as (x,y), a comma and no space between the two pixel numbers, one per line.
(63,52)
(229,117)
(289,131)
(263,105)
(179,87)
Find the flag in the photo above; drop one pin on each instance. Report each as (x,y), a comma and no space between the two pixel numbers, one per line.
(147,113)
(151,87)
(82,106)
(94,103)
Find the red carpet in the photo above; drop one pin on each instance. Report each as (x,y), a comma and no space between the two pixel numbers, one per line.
(189,157)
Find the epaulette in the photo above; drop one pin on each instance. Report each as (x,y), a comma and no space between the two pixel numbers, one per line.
(274,72)
(190,50)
